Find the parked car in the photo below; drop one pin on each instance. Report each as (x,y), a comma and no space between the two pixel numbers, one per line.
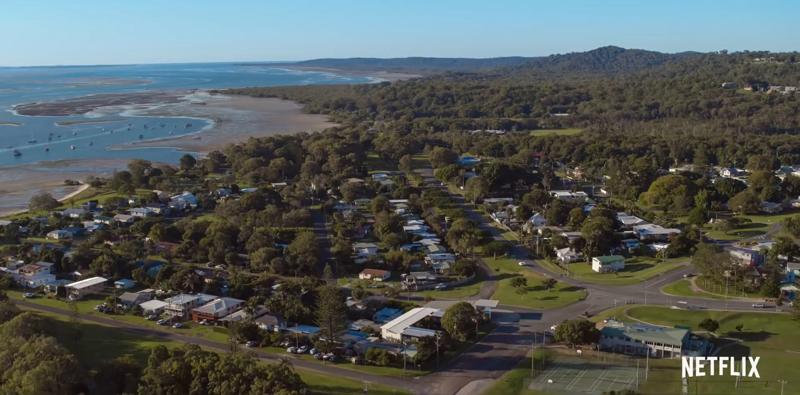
(204,322)
(177,325)
(29,295)
(522,263)
(251,344)
(291,350)
(152,317)
(313,351)
(162,322)
(759,305)
(319,356)
(440,286)
(302,349)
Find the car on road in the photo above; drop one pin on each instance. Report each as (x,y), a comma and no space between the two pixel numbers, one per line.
(759,305)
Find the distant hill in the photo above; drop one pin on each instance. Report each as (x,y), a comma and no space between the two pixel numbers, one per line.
(414,65)
(604,61)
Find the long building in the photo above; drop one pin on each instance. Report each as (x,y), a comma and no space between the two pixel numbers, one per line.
(659,342)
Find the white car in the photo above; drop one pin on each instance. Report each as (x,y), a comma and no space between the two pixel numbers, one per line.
(291,350)
(522,263)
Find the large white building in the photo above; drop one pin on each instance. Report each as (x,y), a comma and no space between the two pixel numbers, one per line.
(403,327)
(79,289)
(640,339)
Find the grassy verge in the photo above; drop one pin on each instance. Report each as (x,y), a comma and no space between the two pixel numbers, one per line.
(535,295)
(557,132)
(513,381)
(636,270)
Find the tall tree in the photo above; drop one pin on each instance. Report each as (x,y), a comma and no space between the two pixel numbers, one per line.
(331,314)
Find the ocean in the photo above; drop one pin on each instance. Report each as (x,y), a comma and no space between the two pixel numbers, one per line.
(37,139)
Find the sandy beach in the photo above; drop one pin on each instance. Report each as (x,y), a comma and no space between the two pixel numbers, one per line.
(235,119)
(19,183)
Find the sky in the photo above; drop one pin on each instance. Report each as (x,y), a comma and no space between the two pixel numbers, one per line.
(74,32)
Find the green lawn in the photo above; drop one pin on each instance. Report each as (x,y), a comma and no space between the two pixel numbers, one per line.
(94,344)
(683,288)
(636,270)
(461,292)
(536,296)
(773,337)
(758,225)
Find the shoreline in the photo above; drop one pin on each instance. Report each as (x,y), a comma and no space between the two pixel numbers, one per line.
(231,119)
(377,75)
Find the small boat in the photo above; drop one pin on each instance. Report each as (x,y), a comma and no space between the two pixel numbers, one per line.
(72,147)
(91,143)
(32,141)
(74,133)
(47,149)
(17,153)
(141,136)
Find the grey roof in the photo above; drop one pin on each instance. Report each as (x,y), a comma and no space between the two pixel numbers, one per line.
(649,333)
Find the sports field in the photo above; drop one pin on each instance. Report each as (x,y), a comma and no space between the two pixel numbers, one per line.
(579,375)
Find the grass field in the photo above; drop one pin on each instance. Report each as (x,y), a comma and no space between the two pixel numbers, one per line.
(683,288)
(536,296)
(758,225)
(94,344)
(557,132)
(773,337)
(636,270)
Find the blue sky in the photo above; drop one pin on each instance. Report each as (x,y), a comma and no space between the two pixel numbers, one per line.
(44,32)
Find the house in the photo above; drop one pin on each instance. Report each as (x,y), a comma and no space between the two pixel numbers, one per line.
(655,341)
(124,219)
(771,208)
(180,305)
(627,221)
(216,309)
(153,307)
(748,257)
(569,196)
(79,289)
(468,161)
(375,274)
(402,327)
(536,220)
(130,299)
(124,283)
(271,322)
(608,263)
(629,244)
(184,201)
(34,275)
(653,232)
(59,234)
(143,212)
(243,314)
(731,172)
(568,255)
(386,314)
(73,213)
(365,250)
(441,268)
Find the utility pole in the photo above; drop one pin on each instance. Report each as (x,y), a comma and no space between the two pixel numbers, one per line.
(637,374)
(647,365)
(533,358)
(783,382)
(437,351)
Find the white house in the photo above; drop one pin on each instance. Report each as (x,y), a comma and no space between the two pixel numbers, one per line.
(608,263)
(568,255)
(375,274)
(216,309)
(79,289)
(59,234)
(569,196)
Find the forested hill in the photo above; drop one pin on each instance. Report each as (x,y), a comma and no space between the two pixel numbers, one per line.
(607,61)
(604,61)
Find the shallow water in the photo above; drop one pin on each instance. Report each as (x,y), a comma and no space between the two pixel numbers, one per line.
(41,138)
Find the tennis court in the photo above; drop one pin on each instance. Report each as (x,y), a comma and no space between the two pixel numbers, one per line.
(577,375)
